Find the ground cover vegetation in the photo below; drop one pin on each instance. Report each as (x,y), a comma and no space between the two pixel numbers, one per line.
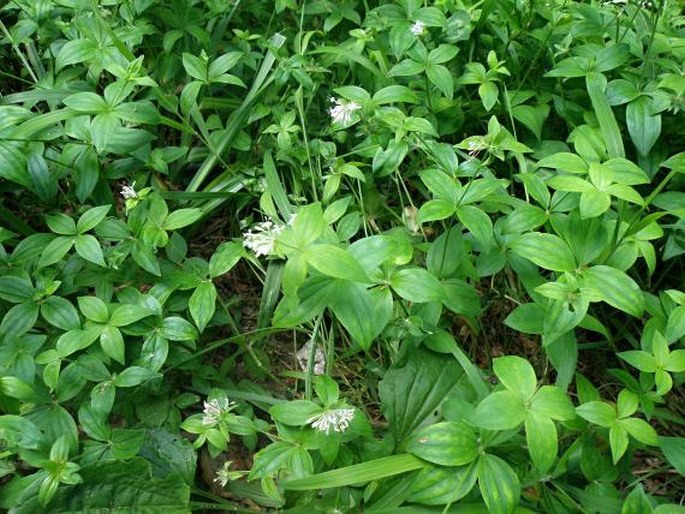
(342,256)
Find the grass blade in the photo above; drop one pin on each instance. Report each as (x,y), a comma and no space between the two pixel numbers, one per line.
(596,85)
(237,119)
(359,473)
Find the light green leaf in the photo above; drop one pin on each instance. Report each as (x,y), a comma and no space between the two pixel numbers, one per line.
(552,402)
(417,285)
(60,313)
(334,262)
(112,343)
(640,360)
(92,218)
(501,410)
(541,436)
(56,250)
(618,441)
(599,413)
(614,287)
(202,304)
(640,430)
(516,374)
(447,444)
(93,308)
(498,484)
(546,250)
(89,248)
(181,218)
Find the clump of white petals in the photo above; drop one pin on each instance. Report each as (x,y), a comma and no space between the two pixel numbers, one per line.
(342,110)
(128,193)
(223,475)
(214,410)
(262,237)
(336,419)
(418,29)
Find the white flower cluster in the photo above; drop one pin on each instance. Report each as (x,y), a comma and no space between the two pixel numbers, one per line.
(128,193)
(336,419)
(418,29)
(262,237)
(342,110)
(214,410)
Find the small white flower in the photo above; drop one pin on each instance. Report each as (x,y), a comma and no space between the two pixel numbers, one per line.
(336,419)
(418,29)
(214,410)
(128,193)
(223,475)
(262,237)
(342,111)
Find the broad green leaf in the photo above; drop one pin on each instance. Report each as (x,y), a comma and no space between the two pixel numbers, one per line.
(296,412)
(112,343)
(18,320)
(627,403)
(127,313)
(594,203)
(448,444)
(599,413)
(541,436)
(89,248)
(93,308)
(637,502)
(640,360)
(618,441)
(202,304)
(60,313)
(16,289)
(411,391)
(527,318)
(640,430)
(19,432)
(676,361)
(181,218)
(169,454)
(61,224)
(394,94)
(133,376)
(501,410)
(86,102)
(441,78)
(673,448)
(644,127)
(498,484)
(436,209)
(516,374)
(195,66)
(440,485)
(417,285)
(145,258)
(564,161)
(175,328)
(123,486)
(477,222)
(92,218)
(74,52)
(614,287)
(224,258)
(552,402)
(363,313)
(546,250)
(334,262)
(56,250)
